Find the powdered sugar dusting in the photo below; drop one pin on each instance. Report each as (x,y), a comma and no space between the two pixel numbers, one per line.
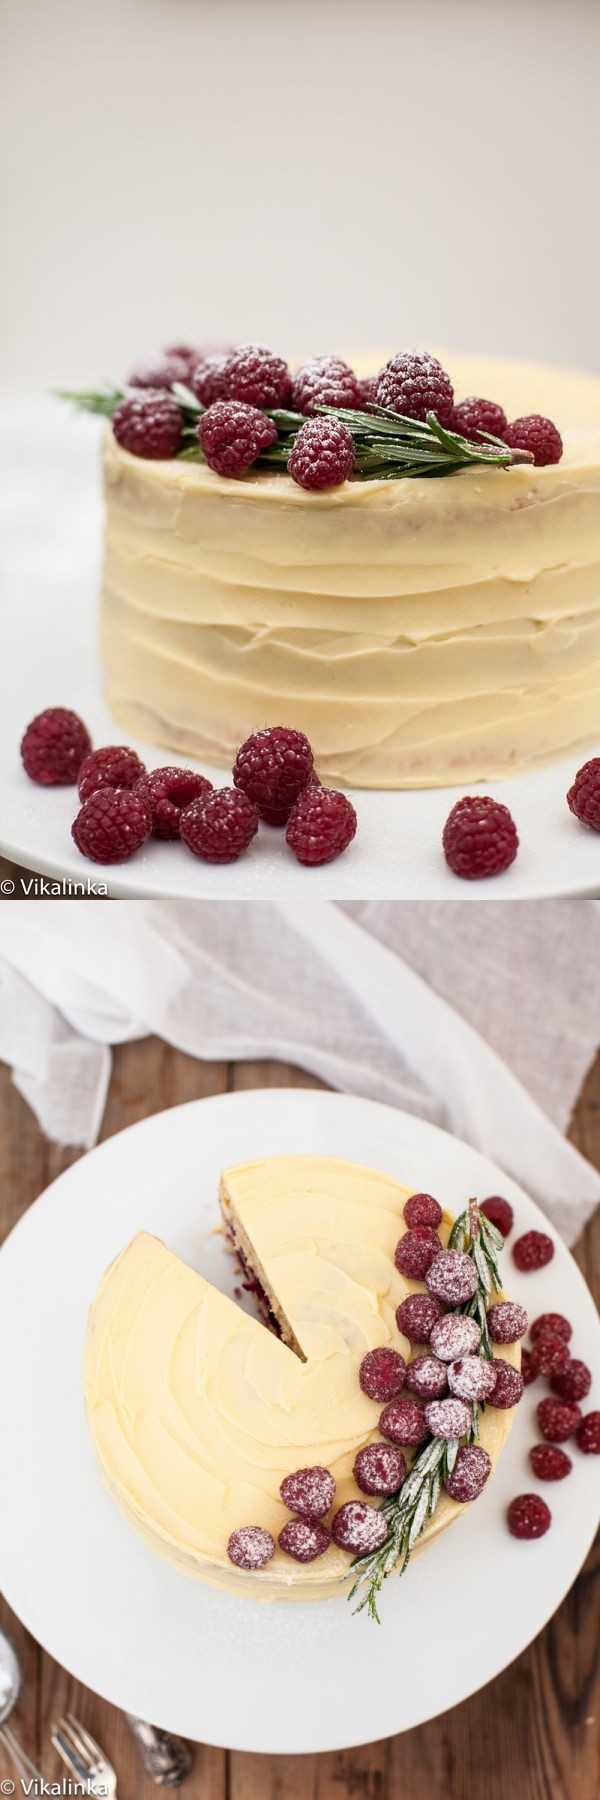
(309,1491)
(471,1378)
(469,1474)
(452,1277)
(427,1376)
(304,1539)
(507,1321)
(250,1547)
(359,1528)
(454,1336)
(447,1418)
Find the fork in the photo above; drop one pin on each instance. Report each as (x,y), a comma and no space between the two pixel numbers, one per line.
(22,1762)
(84,1757)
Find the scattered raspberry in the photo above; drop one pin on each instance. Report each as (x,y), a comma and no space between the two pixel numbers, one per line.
(452,1277)
(309,1491)
(149,423)
(528,1516)
(112,824)
(447,1418)
(256,375)
(479,838)
(422,1209)
(508,1385)
(469,1474)
(359,1528)
(273,767)
(304,1539)
(404,1422)
(382,1374)
(507,1321)
(169,791)
(232,435)
(322,455)
(584,796)
(499,1213)
(549,1463)
(527,1370)
(455,1335)
(116,766)
(533,1251)
(474,415)
(379,1469)
(471,1378)
(588,1434)
(536,434)
(325,381)
(250,1547)
(415,1252)
(219,825)
(416,1317)
(550,1356)
(572,1382)
(558,1420)
(415,384)
(322,824)
(161,373)
(54,746)
(207,379)
(427,1376)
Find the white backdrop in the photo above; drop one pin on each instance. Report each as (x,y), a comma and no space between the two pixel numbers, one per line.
(314,173)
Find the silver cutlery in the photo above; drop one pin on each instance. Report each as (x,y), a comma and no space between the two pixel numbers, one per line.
(84,1757)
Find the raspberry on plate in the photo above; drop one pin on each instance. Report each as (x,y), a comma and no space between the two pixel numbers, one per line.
(584,795)
(452,1277)
(528,1516)
(588,1434)
(115,766)
(255,374)
(415,1252)
(382,1373)
(558,1420)
(169,791)
(232,436)
(536,434)
(250,1547)
(507,1321)
(414,383)
(479,837)
(309,1492)
(273,767)
(554,1323)
(322,824)
(379,1469)
(422,1209)
(532,1251)
(455,1335)
(325,381)
(149,423)
(304,1539)
(508,1385)
(549,1463)
(359,1528)
(469,1474)
(112,824)
(54,746)
(499,1212)
(473,415)
(404,1422)
(322,455)
(220,825)
(159,374)
(572,1382)
(427,1376)
(416,1317)
(447,1418)
(550,1356)
(527,1369)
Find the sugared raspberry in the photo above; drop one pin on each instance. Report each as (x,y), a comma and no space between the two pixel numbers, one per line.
(416,1317)
(309,1491)
(471,1378)
(447,1418)
(474,415)
(507,1321)
(536,434)
(555,1323)
(367,390)
(415,1252)
(499,1213)
(273,767)
(116,766)
(54,747)
(185,353)
(532,1251)
(112,824)
(452,1277)
(584,795)
(572,1382)
(359,1528)
(322,824)
(479,837)
(161,373)
(404,1422)
(169,791)
(469,1474)
(207,379)
(255,374)
(149,423)
(527,1370)
(219,825)
(422,1209)
(558,1420)
(250,1547)
(588,1434)
(455,1335)
(304,1539)
(550,1356)
(382,1373)
(528,1516)
(325,381)
(379,1469)
(322,455)
(549,1463)
(427,1376)
(233,435)
(414,383)
(508,1385)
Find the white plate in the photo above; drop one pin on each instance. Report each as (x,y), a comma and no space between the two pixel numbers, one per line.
(51,486)
(222,1670)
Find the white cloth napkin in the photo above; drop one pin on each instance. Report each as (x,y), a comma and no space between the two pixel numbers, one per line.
(483,1019)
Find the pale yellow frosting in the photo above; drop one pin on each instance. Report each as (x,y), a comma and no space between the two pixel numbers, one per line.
(197,1411)
(421,632)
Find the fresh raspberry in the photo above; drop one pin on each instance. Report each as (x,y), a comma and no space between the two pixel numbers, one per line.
(169,791)
(207,379)
(189,354)
(54,746)
(499,1213)
(309,1491)
(469,1474)
(379,1469)
(527,1370)
(554,1323)
(322,455)
(149,424)
(416,1317)
(255,374)
(536,434)
(427,1376)
(550,1356)
(507,1321)
(232,435)
(474,415)
(558,1420)
(471,1378)
(573,1382)
(304,1539)
(415,1252)
(322,824)
(359,1528)
(414,384)
(250,1547)
(528,1516)
(382,1373)
(404,1422)
(273,767)
(588,1434)
(452,1277)
(422,1209)
(479,837)
(533,1251)
(508,1385)
(549,1463)
(219,825)
(447,1418)
(325,381)
(116,766)
(368,386)
(161,373)
(111,825)
(584,796)
(455,1335)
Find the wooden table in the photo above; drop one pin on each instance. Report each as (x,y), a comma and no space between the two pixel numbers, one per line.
(533,1733)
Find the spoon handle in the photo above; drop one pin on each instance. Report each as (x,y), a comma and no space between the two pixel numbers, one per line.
(18,1755)
(166,1757)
